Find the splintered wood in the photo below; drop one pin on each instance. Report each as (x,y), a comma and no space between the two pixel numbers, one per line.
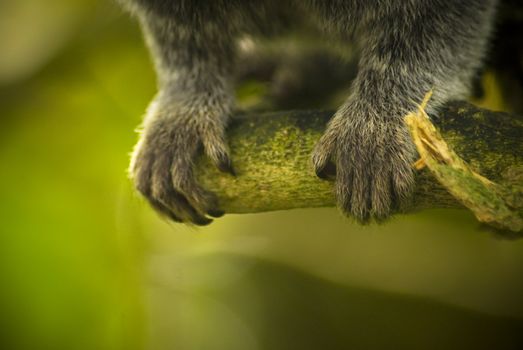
(490,202)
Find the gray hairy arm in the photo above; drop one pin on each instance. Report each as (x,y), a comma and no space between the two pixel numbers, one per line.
(193,59)
(407,49)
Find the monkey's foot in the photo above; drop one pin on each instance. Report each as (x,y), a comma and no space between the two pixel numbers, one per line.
(371,160)
(162,163)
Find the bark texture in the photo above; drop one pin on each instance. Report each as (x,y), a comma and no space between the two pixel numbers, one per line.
(271,155)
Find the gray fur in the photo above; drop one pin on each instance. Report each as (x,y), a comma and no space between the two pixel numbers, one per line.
(407,47)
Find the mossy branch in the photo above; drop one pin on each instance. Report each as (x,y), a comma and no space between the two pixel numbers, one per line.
(492,203)
(271,155)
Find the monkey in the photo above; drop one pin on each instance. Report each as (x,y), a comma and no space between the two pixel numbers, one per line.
(405,48)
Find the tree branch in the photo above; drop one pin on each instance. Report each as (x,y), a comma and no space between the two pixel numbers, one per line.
(271,155)
(498,205)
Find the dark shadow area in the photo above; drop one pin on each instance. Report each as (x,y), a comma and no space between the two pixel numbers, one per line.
(295,310)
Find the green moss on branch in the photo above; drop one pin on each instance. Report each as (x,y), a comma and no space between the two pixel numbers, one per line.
(271,154)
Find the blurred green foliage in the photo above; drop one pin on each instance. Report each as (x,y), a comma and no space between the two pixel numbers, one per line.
(85,264)
(69,265)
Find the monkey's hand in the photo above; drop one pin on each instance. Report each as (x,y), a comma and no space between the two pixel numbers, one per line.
(162,163)
(372,154)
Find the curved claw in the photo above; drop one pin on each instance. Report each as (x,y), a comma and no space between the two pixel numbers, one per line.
(163,191)
(217,150)
(225,166)
(215,213)
(322,156)
(163,210)
(328,172)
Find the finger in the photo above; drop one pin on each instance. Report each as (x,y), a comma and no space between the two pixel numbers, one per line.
(343,186)
(360,193)
(183,181)
(140,172)
(164,192)
(163,210)
(343,191)
(381,194)
(181,208)
(217,150)
(401,167)
(402,179)
(322,156)
(194,216)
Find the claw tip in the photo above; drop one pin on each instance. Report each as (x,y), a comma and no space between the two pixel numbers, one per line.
(216,213)
(327,172)
(226,167)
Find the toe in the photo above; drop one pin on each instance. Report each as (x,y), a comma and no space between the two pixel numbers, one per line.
(381,195)
(217,150)
(164,192)
(163,210)
(343,189)
(360,194)
(322,158)
(402,182)
(203,201)
(223,162)
(181,208)
(194,216)
(140,172)
(142,176)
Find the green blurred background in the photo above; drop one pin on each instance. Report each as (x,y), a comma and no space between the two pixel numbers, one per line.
(85,263)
